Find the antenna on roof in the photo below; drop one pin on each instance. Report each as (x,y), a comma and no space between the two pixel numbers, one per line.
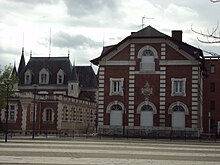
(50,44)
(68,53)
(103,40)
(142,21)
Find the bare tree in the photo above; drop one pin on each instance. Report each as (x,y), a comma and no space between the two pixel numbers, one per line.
(214,1)
(209,37)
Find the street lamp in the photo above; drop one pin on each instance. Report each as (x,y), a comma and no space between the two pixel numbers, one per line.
(7,83)
(33,124)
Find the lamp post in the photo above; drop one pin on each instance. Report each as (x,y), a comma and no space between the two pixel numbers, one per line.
(7,83)
(33,124)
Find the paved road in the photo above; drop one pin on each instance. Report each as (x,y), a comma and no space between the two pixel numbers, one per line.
(108,152)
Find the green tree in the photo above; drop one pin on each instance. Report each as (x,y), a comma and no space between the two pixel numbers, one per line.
(7,78)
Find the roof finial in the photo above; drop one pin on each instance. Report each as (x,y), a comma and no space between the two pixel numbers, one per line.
(68,53)
(30,53)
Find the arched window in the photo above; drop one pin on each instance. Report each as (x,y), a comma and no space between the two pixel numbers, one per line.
(146,116)
(147,54)
(146,109)
(116,115)
(178,111)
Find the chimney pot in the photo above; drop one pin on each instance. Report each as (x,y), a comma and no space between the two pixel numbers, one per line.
(177,35)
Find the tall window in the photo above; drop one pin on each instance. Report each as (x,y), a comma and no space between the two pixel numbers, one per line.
(116,86)
(146,116)
(43,78)
(27,77)
(212,105)
(116,115)
(60,77)
(178,117)
(212,68)
(147,61)
(178,87)
(212,87)
(49,115)
(11,112)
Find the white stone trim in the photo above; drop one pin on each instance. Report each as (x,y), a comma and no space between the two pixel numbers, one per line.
(147,47)
(173,93)
(170,109)
(177,62)
(132,68)
(146,103)
(118,63)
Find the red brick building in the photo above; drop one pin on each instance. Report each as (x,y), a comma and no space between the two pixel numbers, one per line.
(211,113)
(150,81)
(60,96)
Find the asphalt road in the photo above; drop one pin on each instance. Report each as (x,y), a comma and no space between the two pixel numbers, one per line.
(108,152)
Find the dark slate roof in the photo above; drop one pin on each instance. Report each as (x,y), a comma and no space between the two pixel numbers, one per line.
(150,32)
(52,64)
(22,62)
(87,77)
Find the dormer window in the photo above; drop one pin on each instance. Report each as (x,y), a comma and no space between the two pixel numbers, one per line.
(27,77)
(60,77)
(147,54)
(43,76)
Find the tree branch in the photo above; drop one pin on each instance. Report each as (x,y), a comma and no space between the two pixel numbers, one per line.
(211,37)
(215,1)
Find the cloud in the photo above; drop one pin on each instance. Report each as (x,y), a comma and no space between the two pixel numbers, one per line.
(65,40)
(36,1)
(82,8)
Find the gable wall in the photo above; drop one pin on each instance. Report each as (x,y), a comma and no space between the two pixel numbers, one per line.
(160,81)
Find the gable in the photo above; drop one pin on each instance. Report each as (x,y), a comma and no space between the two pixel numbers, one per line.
(173,53)
(177,50)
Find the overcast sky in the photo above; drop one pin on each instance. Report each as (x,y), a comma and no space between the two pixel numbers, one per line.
(82,25)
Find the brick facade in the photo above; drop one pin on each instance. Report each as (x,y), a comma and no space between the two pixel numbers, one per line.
(124,70)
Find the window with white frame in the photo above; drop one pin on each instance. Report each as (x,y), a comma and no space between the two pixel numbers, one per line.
(44,76)
(27,77)
(212,68)
(116,115)
(60,77)
(147,56)
(11,112)
(116,86)
(147,61)
(48,115)
(178,87)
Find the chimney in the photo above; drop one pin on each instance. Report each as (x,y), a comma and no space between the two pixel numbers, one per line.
(177,35)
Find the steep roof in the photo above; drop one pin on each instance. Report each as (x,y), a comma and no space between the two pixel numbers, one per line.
(52,64)
(22,61)
(150,32)
(87,77)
